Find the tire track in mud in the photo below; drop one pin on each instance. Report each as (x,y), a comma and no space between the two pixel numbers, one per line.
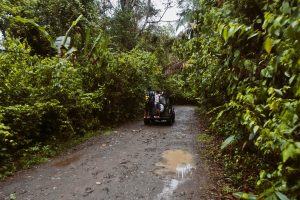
(135,162)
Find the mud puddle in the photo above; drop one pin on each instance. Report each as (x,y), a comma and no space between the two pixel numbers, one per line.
(67,161)
(175,162)
(176,166)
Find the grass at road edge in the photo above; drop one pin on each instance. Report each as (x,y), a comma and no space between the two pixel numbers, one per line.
(232,171)
(209,144)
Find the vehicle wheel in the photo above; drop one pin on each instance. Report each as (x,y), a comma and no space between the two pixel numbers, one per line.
(146,121)
(169,122)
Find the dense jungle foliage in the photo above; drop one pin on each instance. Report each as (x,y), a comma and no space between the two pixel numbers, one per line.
(68,67)
(242,62)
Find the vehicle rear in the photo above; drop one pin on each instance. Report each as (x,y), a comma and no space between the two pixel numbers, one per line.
(162,111)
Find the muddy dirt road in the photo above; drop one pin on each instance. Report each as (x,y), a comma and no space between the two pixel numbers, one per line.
(156,162)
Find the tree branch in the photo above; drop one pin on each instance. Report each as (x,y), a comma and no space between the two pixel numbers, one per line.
(163,21)
(168,6)
(146,20)
(160,19)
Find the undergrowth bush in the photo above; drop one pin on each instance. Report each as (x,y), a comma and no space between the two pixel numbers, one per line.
(45,100)
(244,67)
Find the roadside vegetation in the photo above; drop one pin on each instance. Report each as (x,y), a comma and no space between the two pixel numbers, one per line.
(71,67)
(242,64)
(67,69)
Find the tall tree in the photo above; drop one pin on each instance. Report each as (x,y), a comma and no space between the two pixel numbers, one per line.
(128,21)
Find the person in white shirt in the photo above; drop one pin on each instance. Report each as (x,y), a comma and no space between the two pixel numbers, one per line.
(156,102)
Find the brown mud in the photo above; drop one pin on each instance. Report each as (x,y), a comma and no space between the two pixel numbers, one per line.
(156,162)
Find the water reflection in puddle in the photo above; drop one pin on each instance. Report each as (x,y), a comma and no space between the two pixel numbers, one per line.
(67,161)
(175,162)
(176,165)
(183,170)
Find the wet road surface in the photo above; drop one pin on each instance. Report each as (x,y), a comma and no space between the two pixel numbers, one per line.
(156,162)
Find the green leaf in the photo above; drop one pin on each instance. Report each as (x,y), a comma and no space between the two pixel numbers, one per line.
(277,21)
(225,33)
(231,31)
(292,79)
(220,28)
(289,152)
(267,72)
(237,53)
(243,195)
(255,129)
(271,197)
(220,114)
(74,23)
(286,7)
(278,92)
(287,74)
(228,141)
(281,196)
(269,17)
(268,45)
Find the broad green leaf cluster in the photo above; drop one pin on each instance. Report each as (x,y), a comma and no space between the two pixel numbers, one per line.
(45,99)
(245,67)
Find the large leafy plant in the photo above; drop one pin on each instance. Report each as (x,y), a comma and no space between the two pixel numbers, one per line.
(245,66)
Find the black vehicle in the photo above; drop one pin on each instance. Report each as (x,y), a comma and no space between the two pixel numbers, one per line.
(158,108)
